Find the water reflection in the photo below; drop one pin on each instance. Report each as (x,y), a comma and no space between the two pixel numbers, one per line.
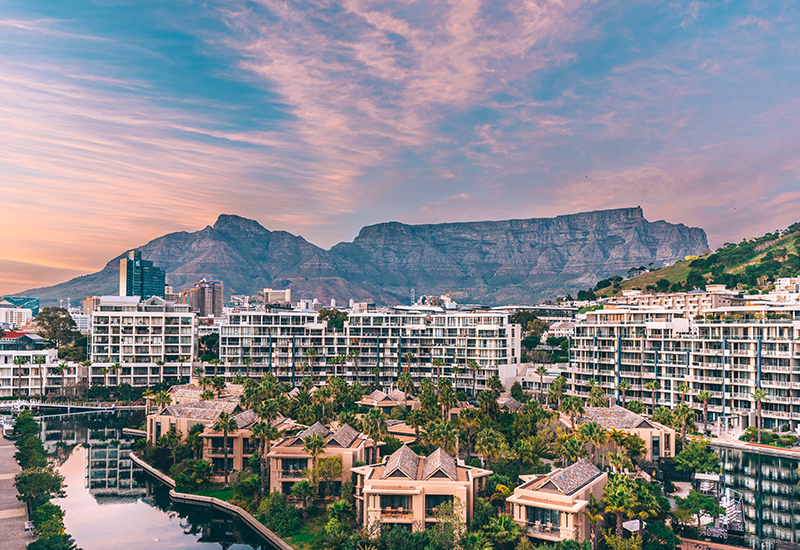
(769,488)
(111,504)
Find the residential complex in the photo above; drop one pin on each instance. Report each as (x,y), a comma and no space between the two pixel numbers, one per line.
(205,298)
(27,368)
(729,352)
(693,303)
(407,489)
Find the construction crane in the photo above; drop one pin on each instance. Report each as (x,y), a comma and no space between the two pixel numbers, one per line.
(451,294)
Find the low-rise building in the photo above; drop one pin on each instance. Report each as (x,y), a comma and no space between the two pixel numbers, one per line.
(550,507)
(659,440)
(288,460)
(183,417)
(387,401)
(408,489)
(30,377)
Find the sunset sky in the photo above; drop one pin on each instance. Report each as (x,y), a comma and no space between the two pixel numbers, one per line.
(121,121)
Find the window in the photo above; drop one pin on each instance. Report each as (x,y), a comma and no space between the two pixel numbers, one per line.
(432,502)
(294,464)
(656,447)
(543,516)
(402,502)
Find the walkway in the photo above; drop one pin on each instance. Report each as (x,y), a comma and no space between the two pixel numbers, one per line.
(12,511)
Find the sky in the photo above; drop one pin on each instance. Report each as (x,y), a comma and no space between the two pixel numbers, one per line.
(122,120)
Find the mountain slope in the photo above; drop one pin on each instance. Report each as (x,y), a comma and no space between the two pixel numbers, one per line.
(493,261)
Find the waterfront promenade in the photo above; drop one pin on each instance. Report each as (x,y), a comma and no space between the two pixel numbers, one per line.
(12,512)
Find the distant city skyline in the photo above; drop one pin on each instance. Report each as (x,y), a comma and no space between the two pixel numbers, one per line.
(121,123)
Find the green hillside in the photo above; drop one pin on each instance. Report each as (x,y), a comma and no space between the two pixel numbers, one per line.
(751,265)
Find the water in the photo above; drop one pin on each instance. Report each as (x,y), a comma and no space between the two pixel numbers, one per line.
(111,504)
(771,498)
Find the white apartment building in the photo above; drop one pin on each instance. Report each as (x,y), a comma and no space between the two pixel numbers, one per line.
(281,342)
(694,303)
(152,340)
(31,378)
(14,316)
(730,352)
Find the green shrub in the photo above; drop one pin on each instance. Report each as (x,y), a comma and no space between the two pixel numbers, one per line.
(280,516)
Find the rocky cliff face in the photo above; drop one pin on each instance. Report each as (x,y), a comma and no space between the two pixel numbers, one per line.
(511,261)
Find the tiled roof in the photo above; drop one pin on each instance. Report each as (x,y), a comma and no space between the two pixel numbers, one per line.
(201,410)
(510,403)
(317,428)
(246,418)
(403,459)
(399,396)
(611,417)
(345,435)
(440,460)
(377,396)
(572,478)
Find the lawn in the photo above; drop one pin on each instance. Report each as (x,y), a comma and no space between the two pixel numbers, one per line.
(308,532)
(217,490)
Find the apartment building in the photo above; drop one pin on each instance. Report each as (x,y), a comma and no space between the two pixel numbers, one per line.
(729,352)
(407,489)
(550,507)
(14,316)
(288,460)
(30,377)
(692,303)
(375,345)
(152,340)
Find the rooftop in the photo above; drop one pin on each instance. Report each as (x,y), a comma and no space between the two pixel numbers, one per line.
(566,480)
(613,417)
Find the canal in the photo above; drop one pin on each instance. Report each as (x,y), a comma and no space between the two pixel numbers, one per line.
(111,504)
(770,497)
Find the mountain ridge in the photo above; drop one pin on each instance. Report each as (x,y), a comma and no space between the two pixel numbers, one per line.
(495,262)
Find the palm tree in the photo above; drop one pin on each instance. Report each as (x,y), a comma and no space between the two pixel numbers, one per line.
(503,531)
(704,397)
(247,362)
(19,361)
(494,384)
(162,399)
(619,461)
(373,424)
(474,367)
(758,396)
(114,367)
(215,363)
(312,355)
(160,364)
(556,392)
(62,369)
(502,492)
(198,372)
(321,397)
(645,505)
(490,444)
(622,387)
(683,414)
(593,513)
(438,362)
(225,423)
(40,360)
(377,372)
(406,385)
(447,398)
(408,356)
(541,371)
(104,371)
(683,391)
(314,445)
(218,383)
(265,433)
(354,353)
(594,434)
(440,433)
(469,420)
(619,498)
(416,419)
(572,406)
(529,449)
(572,450)
(653,386)
(207,395)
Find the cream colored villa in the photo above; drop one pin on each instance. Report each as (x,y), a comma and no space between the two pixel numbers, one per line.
(659,440)
(550,507)
(288,460)
(387,401)
(183,417)
(408,488)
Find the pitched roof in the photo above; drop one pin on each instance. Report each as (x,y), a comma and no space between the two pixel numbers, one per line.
(317,428)
(440,460)
(202,410)
(510,403)
(398,396)
(613,417)
(246,418)
(572,478)
(403,459)
(345,435)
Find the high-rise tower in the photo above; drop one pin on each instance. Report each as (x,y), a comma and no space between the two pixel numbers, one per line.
(138,277)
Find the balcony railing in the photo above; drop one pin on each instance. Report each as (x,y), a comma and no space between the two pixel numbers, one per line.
(295,474)
(396,513)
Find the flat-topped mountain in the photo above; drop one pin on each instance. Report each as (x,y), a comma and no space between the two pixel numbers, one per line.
(510,261)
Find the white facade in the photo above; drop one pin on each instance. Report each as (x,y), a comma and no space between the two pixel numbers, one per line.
(31,378)
(139,335)
(14,316)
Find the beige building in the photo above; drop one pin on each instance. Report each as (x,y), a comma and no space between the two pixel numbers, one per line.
(550,507)
(387,401)
(692,303)
(183,417)
(659,440)
(288,460)
(408,488)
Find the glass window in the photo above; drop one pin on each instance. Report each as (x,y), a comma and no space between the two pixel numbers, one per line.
(294,464)
(396,501)
(656,447)
(543,516)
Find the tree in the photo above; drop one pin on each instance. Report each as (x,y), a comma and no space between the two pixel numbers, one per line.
(449,528)
(405,383)
(622,387)
(704,397)
(697,457)
(573,406)
(62,369)
(162,399)
(494,384)
(663,416)
(503,531)
(636,407)
(658,536)
(758,396)
(619,542)
(645,505)
(447,397)
(683,415)
(594,434)
(18,362)
(653,386)
(408,356)
(39,485)
(265,433)
(698,504)
(683,391)
(374,424)
(225,423)
(572,450)
(635,446)
(474,367)
(56,324)
(440,433)
(328,469)
(490,444)
(619,498)
(594,514)
(304,491)
(218,384)
(541,370)
(619,461)
(171,441)
(207,395)
(314,445)
(556,392)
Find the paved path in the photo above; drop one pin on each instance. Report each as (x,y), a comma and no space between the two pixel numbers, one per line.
(12,511)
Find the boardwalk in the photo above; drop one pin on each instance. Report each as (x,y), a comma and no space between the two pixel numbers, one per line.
(12,511)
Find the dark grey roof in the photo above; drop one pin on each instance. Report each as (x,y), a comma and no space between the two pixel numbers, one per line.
(377,395)
(510,403)
(440,460)
(403,459)
(572,478)
(202,410)
(399,396)
(345,435)
(612,417)
(317,428)
(246,418)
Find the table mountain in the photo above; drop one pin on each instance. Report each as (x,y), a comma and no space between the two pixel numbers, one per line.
(495,262)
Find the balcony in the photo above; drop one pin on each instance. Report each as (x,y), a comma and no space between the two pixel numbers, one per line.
(292,474)
(396,513)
